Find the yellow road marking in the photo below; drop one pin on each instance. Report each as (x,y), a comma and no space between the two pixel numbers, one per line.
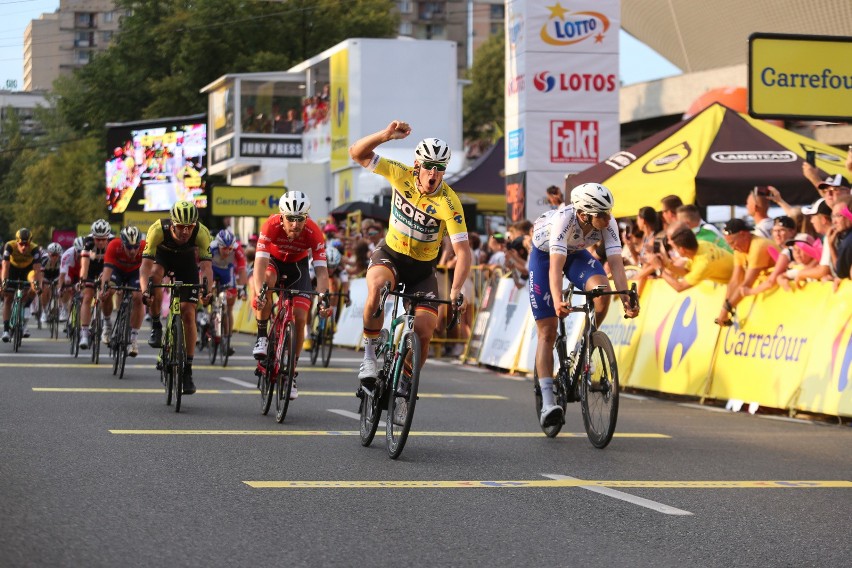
(356,433)
(108,364)
(251,391)
(520,484)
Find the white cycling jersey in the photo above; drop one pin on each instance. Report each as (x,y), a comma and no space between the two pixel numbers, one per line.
(558,232)
(68,261)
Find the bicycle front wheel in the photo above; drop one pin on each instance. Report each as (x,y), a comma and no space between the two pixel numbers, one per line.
(267,376)
(178,359)
(287,364)
(402,395)
(327,342)
(17,324)
(599,391)
(224,338)
(316,337)
(95,330)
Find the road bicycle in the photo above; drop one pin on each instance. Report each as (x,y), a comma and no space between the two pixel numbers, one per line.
(119,339)
(399,376)
(96,324)
(16,318)
(277,371)
(216,335)
(588,373)
(72,328)
(53,309)
(171,359)
(322,331)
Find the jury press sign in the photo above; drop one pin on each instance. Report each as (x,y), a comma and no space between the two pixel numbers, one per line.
(800,77)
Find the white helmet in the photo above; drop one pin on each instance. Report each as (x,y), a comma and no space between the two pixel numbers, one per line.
(79,243)
(332,257)
(432,150)
(592,198)
(101,228)
(294,203)
(54,248)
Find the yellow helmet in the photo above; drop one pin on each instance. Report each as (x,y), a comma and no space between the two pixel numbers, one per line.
(184,213)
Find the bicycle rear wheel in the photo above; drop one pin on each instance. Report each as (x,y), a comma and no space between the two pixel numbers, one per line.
(327,342)
(599,391)
(179,360)
(401,406)
(287,364)
(267,376)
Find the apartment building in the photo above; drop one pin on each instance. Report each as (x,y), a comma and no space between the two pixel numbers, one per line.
(64,40)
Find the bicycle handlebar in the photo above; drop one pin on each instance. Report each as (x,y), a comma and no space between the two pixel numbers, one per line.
(632,294)
(417,298)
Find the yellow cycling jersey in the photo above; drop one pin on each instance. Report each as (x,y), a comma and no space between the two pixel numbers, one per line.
(160,240)
(18,259)
(418,221)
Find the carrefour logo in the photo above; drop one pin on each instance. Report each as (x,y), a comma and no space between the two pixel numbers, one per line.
(341,106)
(544,82)
(564,27)
(683,334)
(841,357)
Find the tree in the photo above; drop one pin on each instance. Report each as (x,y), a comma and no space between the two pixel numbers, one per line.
(167,50)
(484,99)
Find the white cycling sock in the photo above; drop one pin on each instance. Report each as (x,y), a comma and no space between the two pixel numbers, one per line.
(547,398)
(370,348)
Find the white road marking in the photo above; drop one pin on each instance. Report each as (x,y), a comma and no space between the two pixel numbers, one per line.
(239,382)
(653,505)
(354,415)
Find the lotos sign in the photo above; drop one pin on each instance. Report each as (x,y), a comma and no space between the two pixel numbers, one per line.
(800,77)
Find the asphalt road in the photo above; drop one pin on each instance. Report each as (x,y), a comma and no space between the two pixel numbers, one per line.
(98,471)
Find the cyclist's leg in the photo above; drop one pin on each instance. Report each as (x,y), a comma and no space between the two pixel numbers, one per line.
(230,298)
(262,315)
(425,320)
(380,270)
(300,313)
(7,313)
(546,322)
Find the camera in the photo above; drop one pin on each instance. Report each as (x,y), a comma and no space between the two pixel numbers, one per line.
(661,244)
(762,190)
(517,245)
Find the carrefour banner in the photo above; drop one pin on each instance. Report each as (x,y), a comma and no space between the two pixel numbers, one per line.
(676,340)
(827,384)
(246,201)
(800,77)
(763,357)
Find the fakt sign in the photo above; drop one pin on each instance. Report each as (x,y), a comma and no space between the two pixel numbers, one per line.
(574,141)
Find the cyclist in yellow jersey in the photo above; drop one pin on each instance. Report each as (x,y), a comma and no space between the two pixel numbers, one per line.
(22,260)
(181,245)
(423,208)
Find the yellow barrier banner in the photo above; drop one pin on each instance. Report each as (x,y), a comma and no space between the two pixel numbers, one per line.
(624,334)
(763,356)
(827,384)
(676,337)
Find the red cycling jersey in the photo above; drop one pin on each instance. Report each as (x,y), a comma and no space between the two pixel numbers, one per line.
(117,258)
(274,242)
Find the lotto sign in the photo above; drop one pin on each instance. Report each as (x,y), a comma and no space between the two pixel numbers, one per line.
(574,142)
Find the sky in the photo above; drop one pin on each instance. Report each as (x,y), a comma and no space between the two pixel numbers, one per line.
(638,62)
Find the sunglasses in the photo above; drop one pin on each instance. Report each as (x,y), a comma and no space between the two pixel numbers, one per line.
(604,215)
(296,218)
(434,166)
(184,227)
